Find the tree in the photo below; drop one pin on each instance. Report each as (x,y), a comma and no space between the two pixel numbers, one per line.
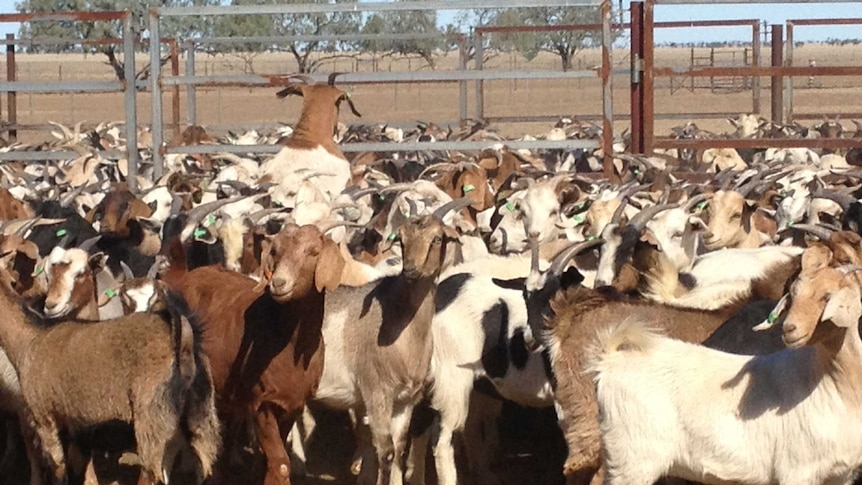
(414,22)
(77,31)
(320,24)
(565,44)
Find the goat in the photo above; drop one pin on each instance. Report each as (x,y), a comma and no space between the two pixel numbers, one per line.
(310,146)
(379,344)
(139,370)
(264,339)
(566,325)
(659,414)
(734,222)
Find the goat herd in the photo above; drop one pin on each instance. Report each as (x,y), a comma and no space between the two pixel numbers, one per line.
(700,332)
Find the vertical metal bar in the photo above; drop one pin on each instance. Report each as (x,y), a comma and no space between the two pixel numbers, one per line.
(637,19)
(777,61)
(191,99)
(175,90)
(462,66)
(11,96)
(755,61)
(607,93)
(788,81)
(480,84)
(156,90)
(648,79)
(130,92)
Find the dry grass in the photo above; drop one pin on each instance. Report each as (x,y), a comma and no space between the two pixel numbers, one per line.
(432,102)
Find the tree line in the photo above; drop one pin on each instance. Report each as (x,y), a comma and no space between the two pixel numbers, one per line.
(310,55)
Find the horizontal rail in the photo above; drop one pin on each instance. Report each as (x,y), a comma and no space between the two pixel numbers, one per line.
(63,16)
(806,22)
(23,156)
(582,27)
(379,77)
(301,8)
(759,71)
(283,39)
(821,116)
(743,2)
(401,147)
(759,143)
(62,87)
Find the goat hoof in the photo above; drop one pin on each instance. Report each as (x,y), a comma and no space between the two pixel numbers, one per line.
(356,467)
(129,459)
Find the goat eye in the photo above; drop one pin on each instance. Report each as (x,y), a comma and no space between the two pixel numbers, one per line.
(736,216)
(677,235)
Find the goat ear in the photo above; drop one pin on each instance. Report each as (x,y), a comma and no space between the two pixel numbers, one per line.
(265,273)
(516,284)
(815,257)
(330,264)
(104,297)
(571,277)
(843,308)
(97,261)
(696,223)
(451,234)
(647,236)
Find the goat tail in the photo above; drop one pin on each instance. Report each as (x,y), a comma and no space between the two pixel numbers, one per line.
(204,427)
(615,340)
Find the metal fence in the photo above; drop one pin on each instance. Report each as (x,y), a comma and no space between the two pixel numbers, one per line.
(643,73)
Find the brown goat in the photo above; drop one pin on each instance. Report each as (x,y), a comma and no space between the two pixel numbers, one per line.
(12,208)
(266,347)
(139,370)
(117,210)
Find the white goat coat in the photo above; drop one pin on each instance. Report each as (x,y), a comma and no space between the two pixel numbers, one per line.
(291,165)
(722,417)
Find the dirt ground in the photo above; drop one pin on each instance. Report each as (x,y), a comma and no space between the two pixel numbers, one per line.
(407,103)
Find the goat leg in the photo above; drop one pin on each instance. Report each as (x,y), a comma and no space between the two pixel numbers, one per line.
(272,444)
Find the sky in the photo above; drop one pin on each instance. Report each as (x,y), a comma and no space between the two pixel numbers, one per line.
(772,13)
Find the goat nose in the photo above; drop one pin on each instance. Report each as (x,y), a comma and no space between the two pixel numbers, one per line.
(278,282)
(789,328)
(50,305)
(708,235)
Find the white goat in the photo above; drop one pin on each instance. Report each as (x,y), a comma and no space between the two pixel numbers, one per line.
(788,418)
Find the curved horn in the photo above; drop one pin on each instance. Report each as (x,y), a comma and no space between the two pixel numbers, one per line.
(618,214)
(840,198)
(332,225)
(153,271)
(444,166)
(196,215)
(399,187)
(332,76)
(127,272)
(355,195)
(456,204)
(640,219)
(821,232)
(255,217)
(692,202)
(411,206)
(89,243)
(564,257)
(70,197)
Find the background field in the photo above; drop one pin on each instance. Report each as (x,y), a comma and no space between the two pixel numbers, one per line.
(432,102)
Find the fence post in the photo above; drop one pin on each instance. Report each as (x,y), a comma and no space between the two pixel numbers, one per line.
(648,78)
(11,96)
(637,94)
(130,92)
(480,84)
(462,66)
(175,91)
(755,61)
(777,61)
(788,81)
(191,99)
(607,92)
(156,90)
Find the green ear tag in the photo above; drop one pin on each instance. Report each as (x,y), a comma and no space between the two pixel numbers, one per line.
(210,220)
(38,270)
(578,218)
(468,188)
(276,203)
(772,317)
(110,293)
(61,233)
(591,238)
(381,197)
(392,236)
(510,206)
(702,205)
(580,206)
(790,224)
(199,232)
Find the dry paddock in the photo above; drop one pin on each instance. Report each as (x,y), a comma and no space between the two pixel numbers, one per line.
(407,103)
